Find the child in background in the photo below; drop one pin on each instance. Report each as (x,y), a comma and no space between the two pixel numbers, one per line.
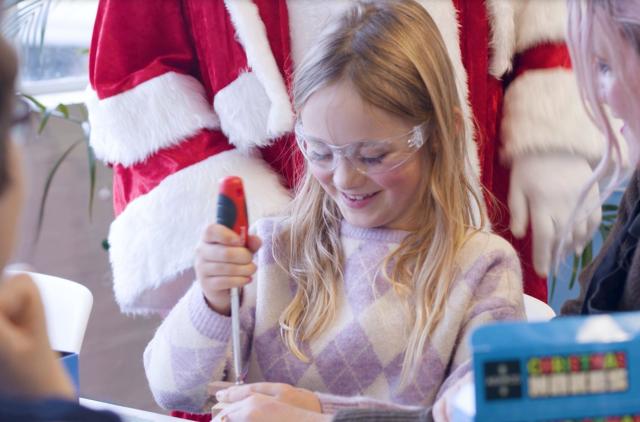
(604,38)
(364,294)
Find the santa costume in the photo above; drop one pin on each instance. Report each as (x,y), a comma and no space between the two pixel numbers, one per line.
(184,92)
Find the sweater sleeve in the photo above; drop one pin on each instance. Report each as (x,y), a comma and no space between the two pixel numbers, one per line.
(191,348)
(497,295)
(489,289)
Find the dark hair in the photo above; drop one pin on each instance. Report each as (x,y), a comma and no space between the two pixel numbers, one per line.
(8,70)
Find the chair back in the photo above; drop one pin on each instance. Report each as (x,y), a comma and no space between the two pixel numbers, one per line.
(67,306)
(537,310)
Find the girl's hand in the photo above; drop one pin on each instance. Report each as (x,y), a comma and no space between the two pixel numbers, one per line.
(264,408)
(285,393)
(223,262)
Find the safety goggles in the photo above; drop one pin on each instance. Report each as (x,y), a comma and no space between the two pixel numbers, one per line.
(367,157)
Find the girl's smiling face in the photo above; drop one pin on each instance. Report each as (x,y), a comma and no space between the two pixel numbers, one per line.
(337,115)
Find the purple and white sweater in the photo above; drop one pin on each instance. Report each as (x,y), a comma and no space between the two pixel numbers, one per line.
(357,361)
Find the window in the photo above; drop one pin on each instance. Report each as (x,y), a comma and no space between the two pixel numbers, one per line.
(60,62)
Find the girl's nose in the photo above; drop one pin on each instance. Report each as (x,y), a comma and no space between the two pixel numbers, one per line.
(346,176)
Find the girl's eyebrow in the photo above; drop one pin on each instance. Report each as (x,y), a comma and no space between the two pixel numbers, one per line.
(315,139)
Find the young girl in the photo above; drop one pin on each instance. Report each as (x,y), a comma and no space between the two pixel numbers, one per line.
(605,46)
(372,283)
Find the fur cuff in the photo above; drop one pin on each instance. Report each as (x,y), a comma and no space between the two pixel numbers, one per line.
(243,108)
(252,34)
(159,113)
(503,38)
(539,21)
(152,243)
(543,113)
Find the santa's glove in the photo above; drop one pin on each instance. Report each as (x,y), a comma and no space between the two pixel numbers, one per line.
(544,190)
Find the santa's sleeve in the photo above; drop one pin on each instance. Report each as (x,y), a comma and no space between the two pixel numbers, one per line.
(153,121)
(542,107)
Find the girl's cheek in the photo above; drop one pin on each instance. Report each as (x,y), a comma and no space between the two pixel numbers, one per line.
(324,178)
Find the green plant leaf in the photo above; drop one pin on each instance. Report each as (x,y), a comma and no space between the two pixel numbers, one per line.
(610,208)
(47,186)
(44,120)
(35,102)
(574,270)
(62,108)
(92,177)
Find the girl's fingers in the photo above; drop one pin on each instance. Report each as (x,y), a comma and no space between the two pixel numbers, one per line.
(241,392)
(214,386)
(216,284)
(220,269)
(217,233)
(253,243)
(207,252)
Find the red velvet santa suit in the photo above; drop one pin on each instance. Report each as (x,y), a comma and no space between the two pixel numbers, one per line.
(187,91)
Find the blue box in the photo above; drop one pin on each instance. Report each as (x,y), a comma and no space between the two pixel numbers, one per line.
(577,368)
(70,363)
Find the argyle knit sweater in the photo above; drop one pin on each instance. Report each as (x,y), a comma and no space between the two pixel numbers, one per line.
(356,362)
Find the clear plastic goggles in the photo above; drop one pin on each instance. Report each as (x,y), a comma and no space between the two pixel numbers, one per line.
(368,157)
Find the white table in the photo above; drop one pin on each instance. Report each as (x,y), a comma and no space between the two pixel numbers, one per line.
(128,414)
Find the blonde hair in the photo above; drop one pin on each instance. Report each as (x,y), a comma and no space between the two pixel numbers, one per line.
(394,56)
(620,21)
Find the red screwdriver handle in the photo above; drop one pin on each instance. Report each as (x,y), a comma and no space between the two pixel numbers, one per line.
(232,207)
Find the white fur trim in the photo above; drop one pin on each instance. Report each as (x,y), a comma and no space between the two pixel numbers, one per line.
(243,107)
(503,36)
(152,242)
(253,37)
(539,21)
(159,113)
(307,20)
(543,113)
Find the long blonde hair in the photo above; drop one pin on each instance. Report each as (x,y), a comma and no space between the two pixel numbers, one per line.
(395,57)
(620,21)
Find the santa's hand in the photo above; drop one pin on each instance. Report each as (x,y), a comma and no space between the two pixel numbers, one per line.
(544,190)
